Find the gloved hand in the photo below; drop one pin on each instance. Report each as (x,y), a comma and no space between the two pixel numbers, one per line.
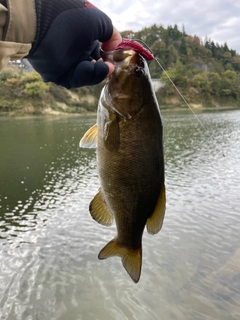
(66,50)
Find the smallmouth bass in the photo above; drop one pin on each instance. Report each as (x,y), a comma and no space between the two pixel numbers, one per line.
(130,160)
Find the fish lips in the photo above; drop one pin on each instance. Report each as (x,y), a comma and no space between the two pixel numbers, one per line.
(115,55)
(107,55)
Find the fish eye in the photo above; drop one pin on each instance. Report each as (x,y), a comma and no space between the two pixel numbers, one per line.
(138,72)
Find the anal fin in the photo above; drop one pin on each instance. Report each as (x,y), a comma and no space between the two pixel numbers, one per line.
(155,222)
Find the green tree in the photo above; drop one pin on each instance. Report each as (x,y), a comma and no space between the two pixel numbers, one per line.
(172,56)
(225,47)
(8,73)
(35,88)
(200,82)
(228,84)
(176,34)
(183,47)
(236,63)
(159,50)
(215,83)
(176,74)
(231,75)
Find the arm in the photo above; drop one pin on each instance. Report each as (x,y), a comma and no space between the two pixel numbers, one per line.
(16,32)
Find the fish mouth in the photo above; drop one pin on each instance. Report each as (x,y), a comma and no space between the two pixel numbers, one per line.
(107,55)
(116,55)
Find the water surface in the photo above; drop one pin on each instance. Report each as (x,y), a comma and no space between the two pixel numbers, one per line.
(49,242)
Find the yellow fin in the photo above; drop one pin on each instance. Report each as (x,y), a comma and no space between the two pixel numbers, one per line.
(99,211)
(111,133)
(89,140)
(155,222)
(131,259)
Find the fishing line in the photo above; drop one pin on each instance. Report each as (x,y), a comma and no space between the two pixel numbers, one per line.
(158,62)
(180,94)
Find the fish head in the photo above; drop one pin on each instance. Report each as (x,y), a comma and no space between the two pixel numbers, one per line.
(125,90)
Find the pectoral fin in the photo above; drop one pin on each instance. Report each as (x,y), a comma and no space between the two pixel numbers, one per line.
(154,223)
(111,134)
(99,210)
(131,259)
(89,140)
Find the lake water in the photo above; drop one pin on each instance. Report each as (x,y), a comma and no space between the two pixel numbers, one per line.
(49,242)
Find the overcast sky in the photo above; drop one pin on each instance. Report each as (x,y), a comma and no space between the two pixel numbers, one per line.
(217,19)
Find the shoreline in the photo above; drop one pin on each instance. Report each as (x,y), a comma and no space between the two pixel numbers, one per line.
(47,115)
(199,109)
(89,114)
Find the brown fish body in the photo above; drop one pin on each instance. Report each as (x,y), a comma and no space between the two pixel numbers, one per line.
(132,176)
(130,160)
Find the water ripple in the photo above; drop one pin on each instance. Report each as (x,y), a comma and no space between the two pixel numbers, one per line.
(49,242)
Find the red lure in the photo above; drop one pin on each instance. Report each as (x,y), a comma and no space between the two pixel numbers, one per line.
(136,46)
(88,4)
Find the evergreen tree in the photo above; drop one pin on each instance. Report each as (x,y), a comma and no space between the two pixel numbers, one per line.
(183,47)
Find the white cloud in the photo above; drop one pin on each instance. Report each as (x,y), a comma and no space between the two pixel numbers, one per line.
(217,19)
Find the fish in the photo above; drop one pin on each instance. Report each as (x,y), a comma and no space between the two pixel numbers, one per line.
(128,136)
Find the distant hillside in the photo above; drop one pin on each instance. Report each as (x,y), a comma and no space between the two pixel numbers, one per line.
(24,93)
(206,73)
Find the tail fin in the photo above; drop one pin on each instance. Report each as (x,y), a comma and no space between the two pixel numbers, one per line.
(131,259)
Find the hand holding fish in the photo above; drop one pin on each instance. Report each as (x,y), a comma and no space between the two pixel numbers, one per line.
(110,45)
(66,49)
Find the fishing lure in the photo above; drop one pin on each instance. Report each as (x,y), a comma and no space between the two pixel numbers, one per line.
(136,46)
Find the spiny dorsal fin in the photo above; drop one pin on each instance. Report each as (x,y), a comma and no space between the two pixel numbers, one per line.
(99,210)
(154,223)
(131,259)
(89,140)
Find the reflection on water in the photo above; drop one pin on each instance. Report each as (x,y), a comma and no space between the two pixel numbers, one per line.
(49,243)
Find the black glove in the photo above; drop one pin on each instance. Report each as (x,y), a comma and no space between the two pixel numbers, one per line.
(67,40)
